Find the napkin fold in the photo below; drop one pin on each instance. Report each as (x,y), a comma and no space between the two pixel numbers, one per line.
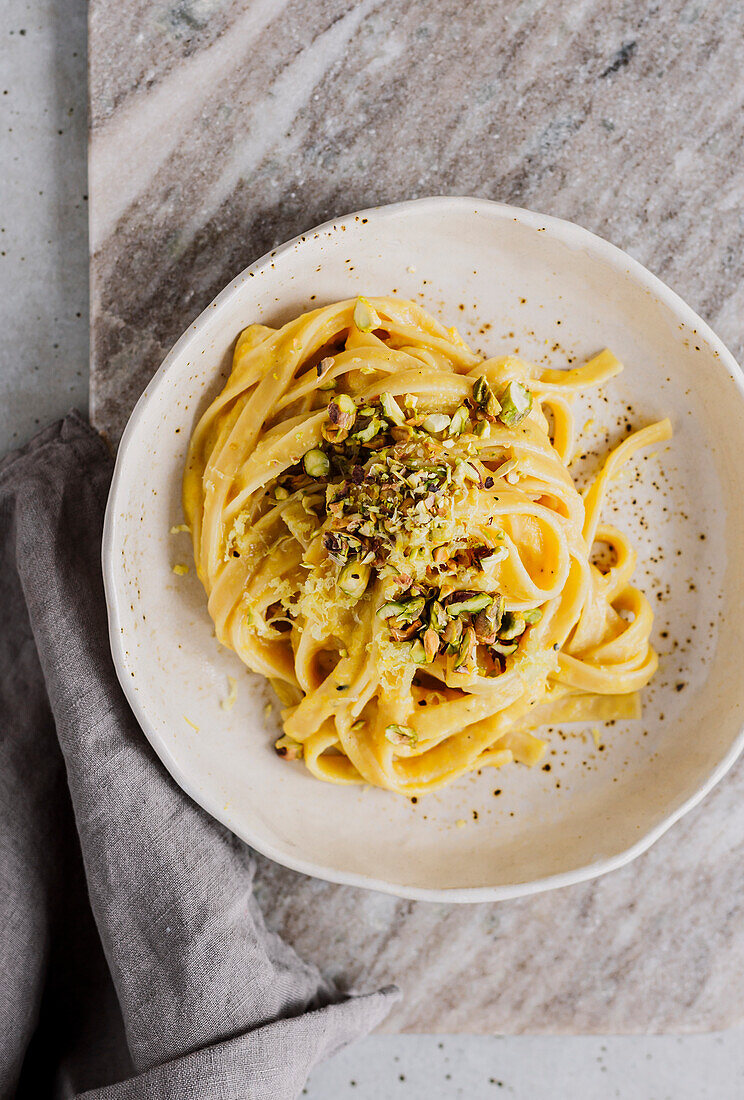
(134,960)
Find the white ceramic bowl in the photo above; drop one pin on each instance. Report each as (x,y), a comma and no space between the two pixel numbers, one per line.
(508,279)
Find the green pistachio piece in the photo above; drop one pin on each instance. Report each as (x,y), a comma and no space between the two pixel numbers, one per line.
(288,748)
(392,409)
(418,653)
(465,471)
(400,735)
(391,609)
(516,402)
(505,468)
(465,650)
(412,609)
(435,423)
(353,579)
(366,435)
(505,650)
(484,396)
(496,610)
(405,610)
(497,554)
(452,634)
(316,463)
(512,626)
(345,405)
(365,317)
(532,616)
(438,617)
(430,641)
(482,429)
(471,605)
(341,416)
(487,622)
(459,421)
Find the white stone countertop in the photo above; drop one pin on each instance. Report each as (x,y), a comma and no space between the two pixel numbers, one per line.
(43,309)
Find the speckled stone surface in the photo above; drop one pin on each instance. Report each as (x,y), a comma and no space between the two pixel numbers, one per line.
(220,128)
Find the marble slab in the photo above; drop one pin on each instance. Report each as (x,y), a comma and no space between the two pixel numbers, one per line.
(220,128)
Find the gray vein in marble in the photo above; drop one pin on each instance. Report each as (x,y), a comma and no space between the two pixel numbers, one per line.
(207,151)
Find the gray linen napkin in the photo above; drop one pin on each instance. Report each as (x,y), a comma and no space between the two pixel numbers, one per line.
(131,947)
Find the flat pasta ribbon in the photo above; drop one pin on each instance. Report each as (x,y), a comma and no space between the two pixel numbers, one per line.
(386,528)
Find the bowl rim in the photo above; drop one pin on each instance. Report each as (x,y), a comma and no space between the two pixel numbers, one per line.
(557,227)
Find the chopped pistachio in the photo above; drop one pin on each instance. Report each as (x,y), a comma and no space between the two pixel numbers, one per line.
(391,408)
(401,631)
(452,634)
(483,429)
(358,726)
(505,468)
(465,471)
(345,405)
(505,650)
(418,653)
(516,402)
(470,472)
(484,396)
(431,644)
(366,435)
(353,579)
(435,423)
(327,384)
(341,416)
(400,735)
(412,609)
(316,463)
(484,627)
(493,557)
(471,605)
(365,317)
(481,390)
(487,622)
(465,650)
(407,610)
(459,421)
(288,748)
(325,365)
(532,616)
(496,610)
(438,617)
(280,493)
(512,626)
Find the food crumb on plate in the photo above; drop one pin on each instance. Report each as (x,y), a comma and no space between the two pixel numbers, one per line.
(229,701)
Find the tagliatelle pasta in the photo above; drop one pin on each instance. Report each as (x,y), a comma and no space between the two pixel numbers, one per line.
(386,527)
